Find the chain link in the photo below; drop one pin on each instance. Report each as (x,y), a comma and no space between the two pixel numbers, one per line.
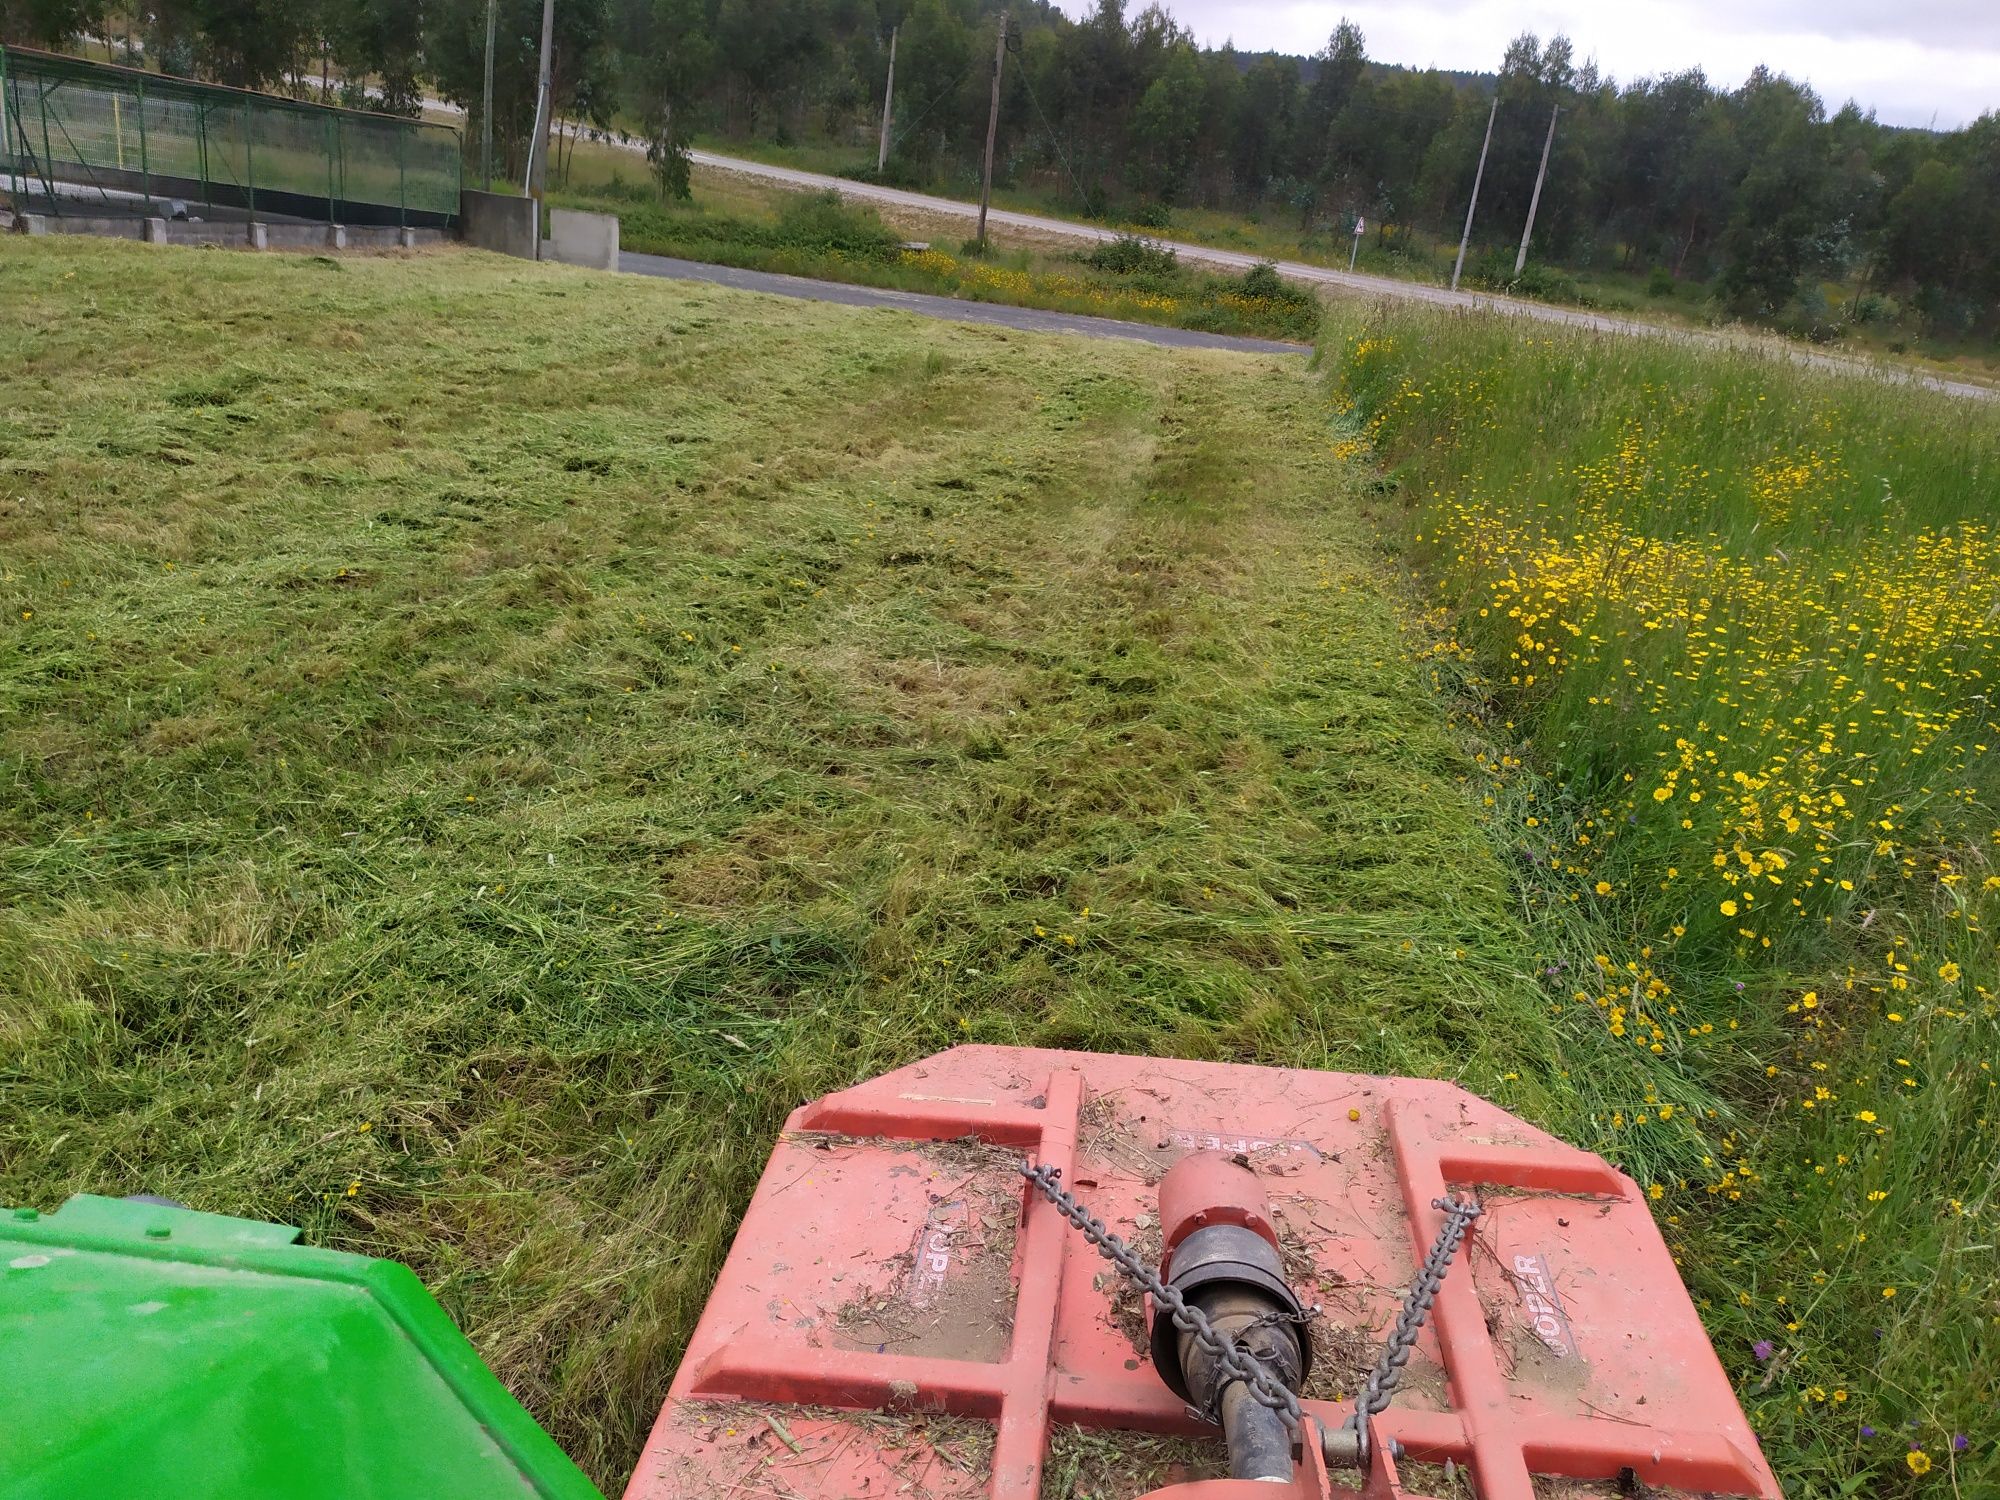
(1382,1380)
(1236,1361)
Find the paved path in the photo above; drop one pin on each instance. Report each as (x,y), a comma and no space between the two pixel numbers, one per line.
(958,309)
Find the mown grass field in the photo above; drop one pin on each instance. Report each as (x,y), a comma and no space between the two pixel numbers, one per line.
(483,741)
(1739,620)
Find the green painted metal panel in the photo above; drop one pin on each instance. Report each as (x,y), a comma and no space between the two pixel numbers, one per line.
(148,1351)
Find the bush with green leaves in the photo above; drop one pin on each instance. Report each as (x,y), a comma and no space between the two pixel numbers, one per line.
(825,221)
(1132,255)
(1263,281)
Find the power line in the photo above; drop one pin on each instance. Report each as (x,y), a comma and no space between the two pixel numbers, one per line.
(1082,197)
(949,89)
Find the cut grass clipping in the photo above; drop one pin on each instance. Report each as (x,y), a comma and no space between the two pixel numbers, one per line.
(1740,619)
(484,741)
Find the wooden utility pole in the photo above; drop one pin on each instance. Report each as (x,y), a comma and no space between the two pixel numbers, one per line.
(992,129)
(888,105)
(538,143)
(1535,199)
(1477,178)
(486,108)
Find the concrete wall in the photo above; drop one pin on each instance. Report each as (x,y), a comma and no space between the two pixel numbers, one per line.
(242,236)
(580,239)
(498,221)
(115,228)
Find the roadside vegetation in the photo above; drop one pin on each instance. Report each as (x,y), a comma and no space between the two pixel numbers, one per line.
(1841,314)
(1734,625)
(819,235)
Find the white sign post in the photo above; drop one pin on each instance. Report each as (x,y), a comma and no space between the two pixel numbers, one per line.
(1360,224)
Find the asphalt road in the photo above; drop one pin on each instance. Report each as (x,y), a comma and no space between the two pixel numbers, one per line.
(1029,319)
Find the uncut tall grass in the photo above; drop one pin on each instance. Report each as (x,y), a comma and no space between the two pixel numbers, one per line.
(1742,617)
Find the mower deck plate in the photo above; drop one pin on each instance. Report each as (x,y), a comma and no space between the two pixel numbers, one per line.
(896,1318)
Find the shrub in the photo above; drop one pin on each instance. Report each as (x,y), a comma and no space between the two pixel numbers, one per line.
(1132,255)
(824,221)
(1153,216)
(1297,307)
(1263,280)
(1660,282)
(1546,284)
(1494,270)
(1873,307)
(626,192)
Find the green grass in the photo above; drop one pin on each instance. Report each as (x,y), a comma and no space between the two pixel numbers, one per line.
(1739,618)
(468,784)
(817,235)
(484,741)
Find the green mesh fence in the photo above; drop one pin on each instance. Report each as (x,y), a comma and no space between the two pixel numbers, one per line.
(86,138)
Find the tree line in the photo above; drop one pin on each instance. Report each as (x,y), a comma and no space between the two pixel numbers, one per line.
(1757,187)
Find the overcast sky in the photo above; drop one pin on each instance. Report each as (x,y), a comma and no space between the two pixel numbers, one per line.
(1912,61)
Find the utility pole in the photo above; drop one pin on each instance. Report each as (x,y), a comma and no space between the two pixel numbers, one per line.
(888,105)
(1535,199)
(538,142)
(1477,178)
(992,129)
(486,110)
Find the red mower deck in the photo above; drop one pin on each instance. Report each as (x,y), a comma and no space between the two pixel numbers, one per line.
(898,1318)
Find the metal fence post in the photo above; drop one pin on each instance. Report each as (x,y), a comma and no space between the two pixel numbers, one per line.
(145,163)
(201,140)
(48,158)
(332,150)
(249,161)
(6,130)
(402,198)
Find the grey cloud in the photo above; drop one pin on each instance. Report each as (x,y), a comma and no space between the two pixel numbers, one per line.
(1912,63)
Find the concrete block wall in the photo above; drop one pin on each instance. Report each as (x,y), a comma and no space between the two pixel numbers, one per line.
(580,239)
(499,221)
(255,236)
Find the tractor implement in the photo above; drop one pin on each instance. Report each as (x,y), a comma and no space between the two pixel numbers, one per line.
(1000,1272)
(955,1277)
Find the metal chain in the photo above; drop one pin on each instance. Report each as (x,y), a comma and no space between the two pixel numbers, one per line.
(1239,1362)
(1381,1384)
(1236,1361)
